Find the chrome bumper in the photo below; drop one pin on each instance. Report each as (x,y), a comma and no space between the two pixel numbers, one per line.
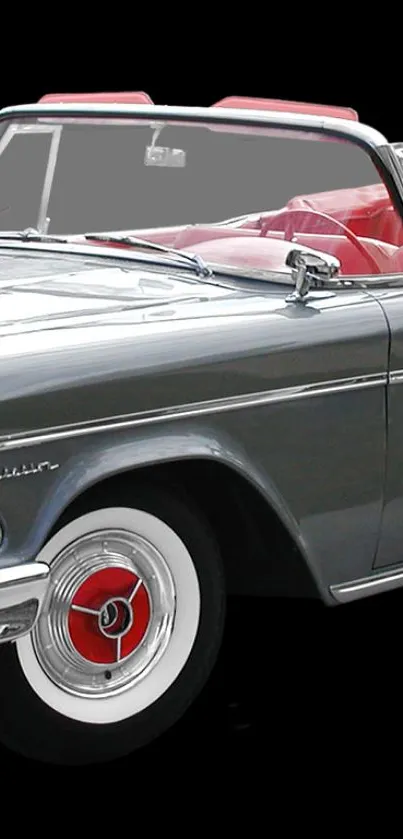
(22,591)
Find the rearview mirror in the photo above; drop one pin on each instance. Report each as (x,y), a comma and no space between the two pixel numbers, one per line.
(307,266)
(163,156)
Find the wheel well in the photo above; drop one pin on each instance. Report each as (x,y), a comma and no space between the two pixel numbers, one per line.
(260,557)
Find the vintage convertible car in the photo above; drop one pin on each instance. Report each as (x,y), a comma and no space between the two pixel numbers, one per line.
(201,342)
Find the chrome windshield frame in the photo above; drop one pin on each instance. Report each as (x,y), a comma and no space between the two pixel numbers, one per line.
(348,129)
(17,128)
(370,139)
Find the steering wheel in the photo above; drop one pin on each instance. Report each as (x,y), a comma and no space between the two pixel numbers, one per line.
(287,220)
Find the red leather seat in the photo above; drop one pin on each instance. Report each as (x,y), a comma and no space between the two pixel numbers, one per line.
(366,211)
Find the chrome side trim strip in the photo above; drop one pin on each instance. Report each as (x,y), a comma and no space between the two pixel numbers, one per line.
(367,586)
(189,410)
(396,377)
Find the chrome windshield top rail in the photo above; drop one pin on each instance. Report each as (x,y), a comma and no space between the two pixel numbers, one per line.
(343,127)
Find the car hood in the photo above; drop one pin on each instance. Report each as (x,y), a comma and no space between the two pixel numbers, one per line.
(39,290)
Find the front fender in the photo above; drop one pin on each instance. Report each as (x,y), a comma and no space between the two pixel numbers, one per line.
(31,505)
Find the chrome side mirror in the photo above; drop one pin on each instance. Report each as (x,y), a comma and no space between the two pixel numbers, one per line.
(308,266)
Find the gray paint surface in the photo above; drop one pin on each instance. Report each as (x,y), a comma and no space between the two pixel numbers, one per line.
(99,342)
(90,345)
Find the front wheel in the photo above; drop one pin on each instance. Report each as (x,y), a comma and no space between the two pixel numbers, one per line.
(128,634)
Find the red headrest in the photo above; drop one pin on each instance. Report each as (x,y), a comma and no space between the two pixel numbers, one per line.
(283,105)
(135,98)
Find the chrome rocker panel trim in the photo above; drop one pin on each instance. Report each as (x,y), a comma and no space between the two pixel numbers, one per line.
(22,591)
(367,586)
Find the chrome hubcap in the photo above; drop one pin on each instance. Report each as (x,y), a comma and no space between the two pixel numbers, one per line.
(115,619)
(108,616)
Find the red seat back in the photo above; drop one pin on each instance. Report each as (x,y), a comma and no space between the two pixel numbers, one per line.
(366,211)
(351,259)
(137,97)
(282,105)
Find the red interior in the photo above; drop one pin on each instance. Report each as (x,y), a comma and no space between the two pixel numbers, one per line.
(286,107)
(140,98)
(270,253)
(367,212)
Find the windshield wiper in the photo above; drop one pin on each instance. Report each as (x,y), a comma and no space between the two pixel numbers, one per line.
(201,268)
(30,235)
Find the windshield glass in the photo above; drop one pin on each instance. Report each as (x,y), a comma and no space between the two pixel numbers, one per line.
(157,181)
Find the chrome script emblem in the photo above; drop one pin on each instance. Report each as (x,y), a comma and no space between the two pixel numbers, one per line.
(27,469)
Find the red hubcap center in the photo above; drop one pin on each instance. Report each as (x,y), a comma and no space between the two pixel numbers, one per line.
(109,615)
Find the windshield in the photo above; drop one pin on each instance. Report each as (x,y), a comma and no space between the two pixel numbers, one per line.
(211,189)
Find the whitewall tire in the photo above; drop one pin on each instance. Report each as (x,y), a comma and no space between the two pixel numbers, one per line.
(128,633)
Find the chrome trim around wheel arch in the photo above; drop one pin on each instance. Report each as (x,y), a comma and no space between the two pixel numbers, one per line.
(22,592)
(367,586)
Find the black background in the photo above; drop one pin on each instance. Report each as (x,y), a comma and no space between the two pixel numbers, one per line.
(301,692)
